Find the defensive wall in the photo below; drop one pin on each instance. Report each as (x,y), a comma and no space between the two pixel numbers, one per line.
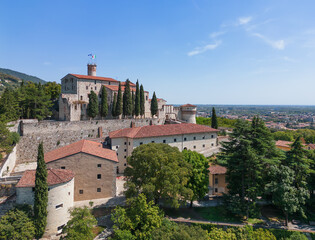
(55,134)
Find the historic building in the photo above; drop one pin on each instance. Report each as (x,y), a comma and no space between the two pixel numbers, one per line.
(217,182)
(60,196)
(190,136)
(94,168)
(75,90)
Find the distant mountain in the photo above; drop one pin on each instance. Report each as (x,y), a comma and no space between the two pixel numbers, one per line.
(10,78)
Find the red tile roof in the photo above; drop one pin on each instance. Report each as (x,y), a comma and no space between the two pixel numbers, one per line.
(281,143)
(54,177)
(311,146)
(94,77)
(217,169)
(83,146)
(161,130)
(188,105)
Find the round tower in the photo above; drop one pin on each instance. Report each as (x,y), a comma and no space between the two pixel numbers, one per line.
(188,113)
(91,69)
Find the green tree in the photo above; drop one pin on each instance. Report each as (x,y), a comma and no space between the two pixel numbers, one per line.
(53,89)
(137,100)
(114,105)
(6,143)
(154,105)
(214,121)
(80,225)
(142,101)
(160,172)
(104,105)
(92,109)
(118,108)
(41,194)
(133,103)
(9,105)
(16,224)
(127,100)
(284,194)
(199,178)
(138,220)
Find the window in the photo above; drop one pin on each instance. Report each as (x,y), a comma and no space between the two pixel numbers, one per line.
(216,190)
(95,82)
(129,143)
(125,164)
(81,191)
(125,156)
(125,150)
(117,153)
(174,139)
(194,138)
(59,206)
(203,145)
(98,190)
(146,98)
(141,143)
(62,167)
(69,193)
(49,189)
(116,147)
(212,136)
(33,189)
(125,143)
(194,147)
(87,87)
(203,137)
(99,165)
(81,97)
(75,107)
(152,142)
(185,139)
(95,88)
(164,141)
(212,144)
(99,176)
(216,181)
(60,227)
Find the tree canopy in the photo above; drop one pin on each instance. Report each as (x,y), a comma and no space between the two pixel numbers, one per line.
(127,100)
(119,106)
(104,104)
(142,101)
(154,105)
(92,109)
(137,100)
(214,120)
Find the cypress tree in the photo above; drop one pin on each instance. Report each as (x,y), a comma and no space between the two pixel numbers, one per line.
(214,120)
(41,194)
(92,109)
(104,105)
(141,100)
(114,105)
(133,102)
(154,105)
(127,100)
(118,108)
(137,100)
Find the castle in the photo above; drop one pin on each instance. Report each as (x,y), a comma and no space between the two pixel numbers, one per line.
(75,90)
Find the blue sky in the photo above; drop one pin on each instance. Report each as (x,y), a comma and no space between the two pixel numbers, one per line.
(206,52)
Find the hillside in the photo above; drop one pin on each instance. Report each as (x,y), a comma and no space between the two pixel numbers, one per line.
(10,78)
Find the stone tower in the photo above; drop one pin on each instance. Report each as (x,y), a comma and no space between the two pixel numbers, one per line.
(188,113)
(91,69)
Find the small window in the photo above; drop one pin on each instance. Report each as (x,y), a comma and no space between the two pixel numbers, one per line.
(91,88)
(59,206)
(203,137)
(95,82)
(212,144)
(49,189)
(81,97)
(125,143)
(185,139)
(174,139)
(125,156)
(99,176)
(164,141)
(99,165)
(33,189)
(116,147)
(216,190)
(62,167)
(152,142)
(141,143)
(194,147)
(194,138)
(125,150)
(81,191)
(98,189)
(203,145)
(146,98)
(216,181)
(129,143)
(87,87)
(125,164)
(212,136)
(75,107)
(95,88)
(69,193)
(60,227)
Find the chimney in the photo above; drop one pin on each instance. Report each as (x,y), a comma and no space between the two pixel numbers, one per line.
(91,69)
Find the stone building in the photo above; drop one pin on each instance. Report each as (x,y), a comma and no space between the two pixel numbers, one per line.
(184,113)
(60,196)
(94,168)
(217,182)
(194,137)
(75,90)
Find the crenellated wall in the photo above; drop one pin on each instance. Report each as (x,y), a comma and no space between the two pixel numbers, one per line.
(55,134)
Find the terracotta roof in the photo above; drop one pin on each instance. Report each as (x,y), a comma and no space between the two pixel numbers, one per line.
(54,177)
(93,77)
(83,146)
(311,146)
(115,88)
(188,105)
(281,143)
(161,130)
(217,169)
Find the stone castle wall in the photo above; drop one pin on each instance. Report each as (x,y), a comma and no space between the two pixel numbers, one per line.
(55,134)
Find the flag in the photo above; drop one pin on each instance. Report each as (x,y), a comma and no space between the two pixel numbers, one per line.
(92,56)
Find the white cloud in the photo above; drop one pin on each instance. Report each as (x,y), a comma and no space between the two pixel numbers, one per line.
(203,49)
(216,34)
(278,44)
(244,20)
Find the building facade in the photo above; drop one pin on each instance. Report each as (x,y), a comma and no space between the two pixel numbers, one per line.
(60,196)
(183,136)
(94,168)
(217,181)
